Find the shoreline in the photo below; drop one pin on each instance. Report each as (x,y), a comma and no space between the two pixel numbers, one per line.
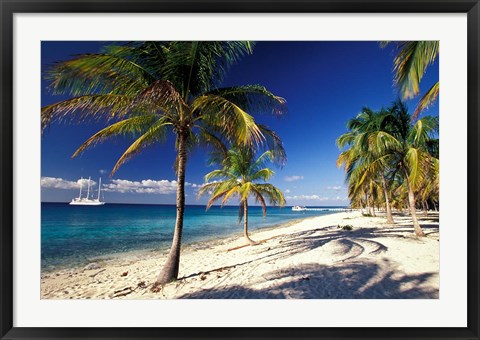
(209,239)
(300,259)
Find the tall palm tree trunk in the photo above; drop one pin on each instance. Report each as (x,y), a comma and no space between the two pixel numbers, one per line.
(372,211)
(170,269)
(367,201)
(425,208)
(413,211)
(387,200)
(245,223)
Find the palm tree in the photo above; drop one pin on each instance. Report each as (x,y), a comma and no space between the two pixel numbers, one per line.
(397,148)
(365,162)
(145,90)
(239,178)
(408,143)
(410,64)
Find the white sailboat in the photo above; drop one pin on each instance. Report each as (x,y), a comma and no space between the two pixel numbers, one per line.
(87,200)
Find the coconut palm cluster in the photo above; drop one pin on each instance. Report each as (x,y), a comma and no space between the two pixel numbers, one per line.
(391,161)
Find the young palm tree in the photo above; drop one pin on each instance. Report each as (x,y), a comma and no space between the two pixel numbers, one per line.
(410,64)
(239,178)
(145,90)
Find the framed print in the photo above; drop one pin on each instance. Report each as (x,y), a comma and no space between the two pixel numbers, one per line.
(239,169)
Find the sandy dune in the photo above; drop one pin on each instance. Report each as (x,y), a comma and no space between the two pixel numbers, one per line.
(312,259)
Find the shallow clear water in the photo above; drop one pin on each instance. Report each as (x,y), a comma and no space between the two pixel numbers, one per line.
(74,235)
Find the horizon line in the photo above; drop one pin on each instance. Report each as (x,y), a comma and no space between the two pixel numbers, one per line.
(215,205)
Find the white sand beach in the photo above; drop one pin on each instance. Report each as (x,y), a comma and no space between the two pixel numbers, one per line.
(311,259)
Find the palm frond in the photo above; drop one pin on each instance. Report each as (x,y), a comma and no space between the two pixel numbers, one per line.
(253,98)
(428,99)
(423,130)
(128,127)
(245,191)
(384,43)
(97,74)
(263,159)
(196,67)
(416,161)
(381,142)
(235,124)
(236,190)
(410,64)
(274,144)
(262,175)
(148,54)
(221,190)
(155,133)
(218,148)
(216,188)
(259,199)
(220,173)
(346,139)
(89,107)
(207,187)
(273,194)
(161,96)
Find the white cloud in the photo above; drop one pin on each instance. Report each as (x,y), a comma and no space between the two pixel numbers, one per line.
(287,191)
(293,178)
(60,183)
(336,188)
(146,186)
(102,171)
(308,198)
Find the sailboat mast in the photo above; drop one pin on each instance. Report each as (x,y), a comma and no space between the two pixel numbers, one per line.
(80,194)
(88,190)
(99,186)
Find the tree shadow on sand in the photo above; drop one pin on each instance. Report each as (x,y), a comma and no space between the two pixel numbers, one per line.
(355,275)
(354,243)
(355,280)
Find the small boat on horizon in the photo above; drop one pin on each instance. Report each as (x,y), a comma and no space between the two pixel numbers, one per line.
(299,208)
(87,200)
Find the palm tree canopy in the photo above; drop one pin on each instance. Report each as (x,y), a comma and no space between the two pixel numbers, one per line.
(410,65)
(144,89)
(380,142)
(414,142)
(243,176)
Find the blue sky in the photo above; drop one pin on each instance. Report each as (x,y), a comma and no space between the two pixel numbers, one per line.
(324,83)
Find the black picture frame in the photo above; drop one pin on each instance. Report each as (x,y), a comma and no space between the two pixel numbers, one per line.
(10,7)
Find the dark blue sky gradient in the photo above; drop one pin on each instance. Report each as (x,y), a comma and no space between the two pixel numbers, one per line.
(324,83)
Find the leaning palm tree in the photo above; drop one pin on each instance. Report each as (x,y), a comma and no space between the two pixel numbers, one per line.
(410,64)
(145,90)
(242,176)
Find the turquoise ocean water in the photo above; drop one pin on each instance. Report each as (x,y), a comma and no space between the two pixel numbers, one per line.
(76,235)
